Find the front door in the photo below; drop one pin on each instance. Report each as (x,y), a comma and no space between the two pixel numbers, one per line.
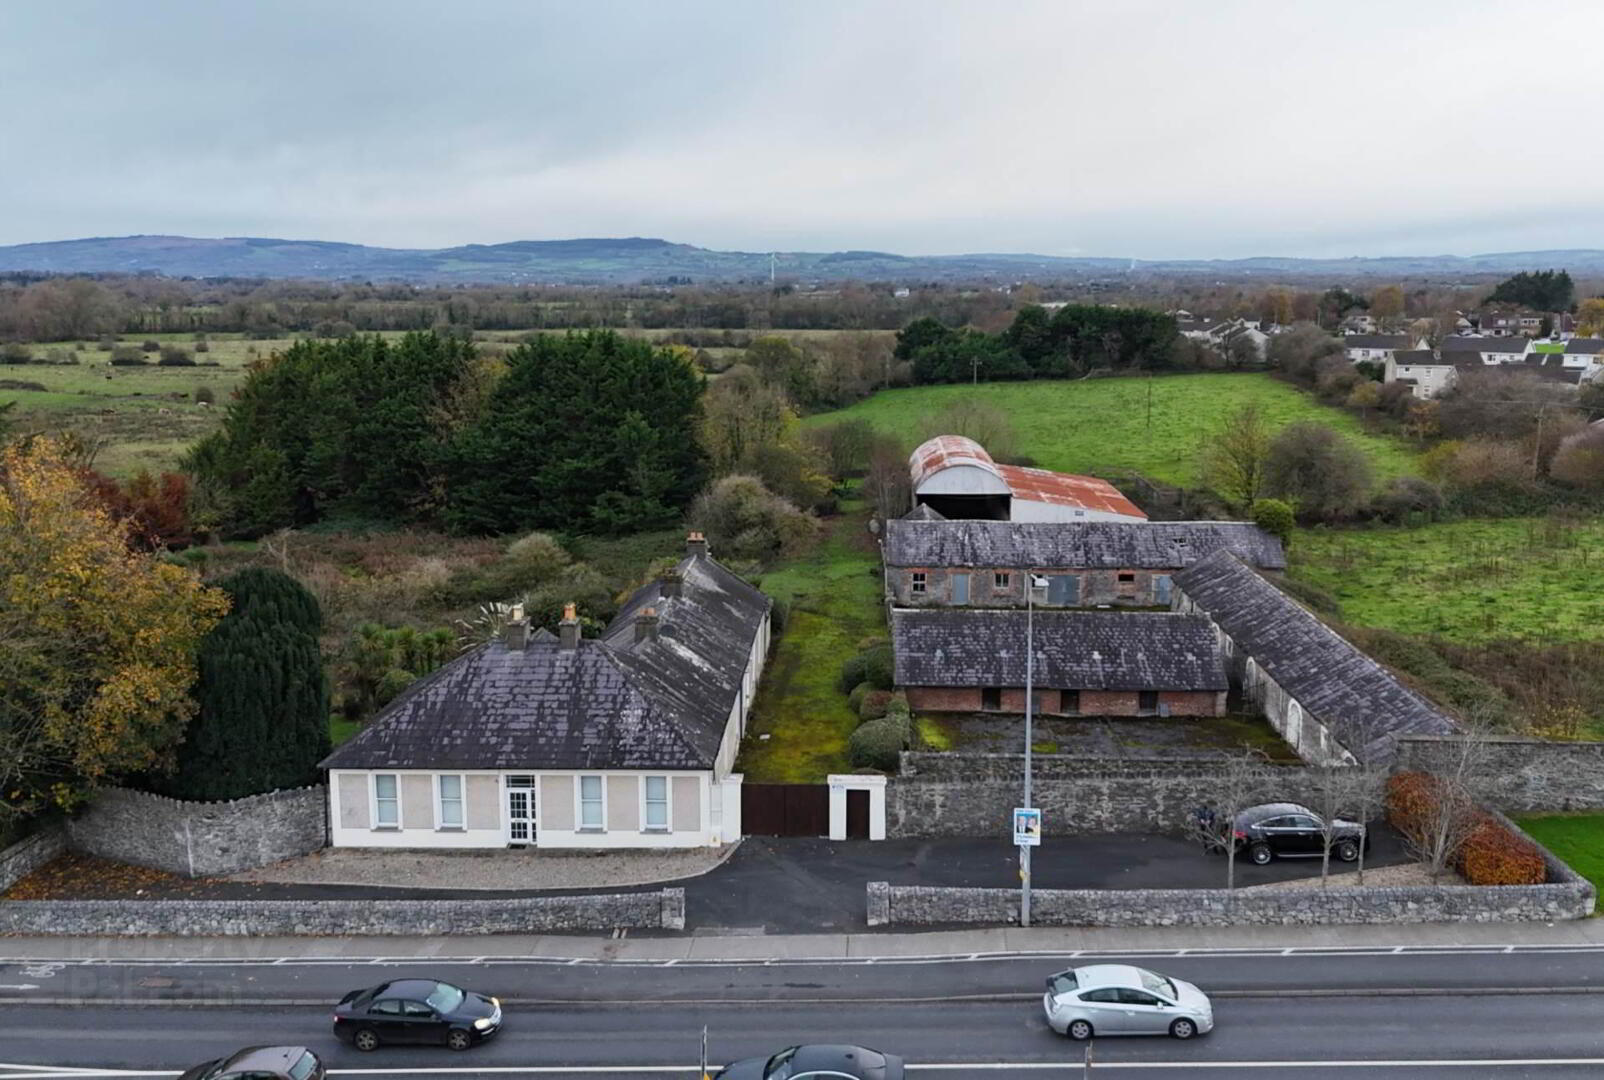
(960,590)
(857,814)
(520,810)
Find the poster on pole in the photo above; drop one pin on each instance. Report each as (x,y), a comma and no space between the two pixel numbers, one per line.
(1027,826)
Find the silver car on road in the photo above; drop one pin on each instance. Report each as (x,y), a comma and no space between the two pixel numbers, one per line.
(1117,999)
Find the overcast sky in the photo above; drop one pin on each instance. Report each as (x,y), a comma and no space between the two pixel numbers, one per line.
(1120,127)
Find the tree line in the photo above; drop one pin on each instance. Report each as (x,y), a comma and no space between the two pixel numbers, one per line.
(1074,340)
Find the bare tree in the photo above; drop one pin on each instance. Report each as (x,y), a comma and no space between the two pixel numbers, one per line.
(1448,816)
(1237,783)
(1344,795)
(1369,788)
(1234,456)
(888,485)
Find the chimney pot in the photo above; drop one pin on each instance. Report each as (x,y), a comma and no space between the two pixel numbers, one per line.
(568,629)
(669,584)
(646,624)
(695,544)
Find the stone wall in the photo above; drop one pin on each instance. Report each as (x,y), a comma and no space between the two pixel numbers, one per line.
(30,853)
(973,794)
(1565,896)
(1522,775)
(657,909)
(197,839)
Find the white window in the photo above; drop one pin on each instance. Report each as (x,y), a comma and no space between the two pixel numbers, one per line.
(918,581)
(386,801)
(656,803)
(450,791)
(591,815)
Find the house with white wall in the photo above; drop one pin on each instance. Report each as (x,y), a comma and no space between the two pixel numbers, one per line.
(627,740)
(1427,374)
(1375,348)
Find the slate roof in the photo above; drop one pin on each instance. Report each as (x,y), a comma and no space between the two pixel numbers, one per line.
(1075,650)
(1361,703)
(1585,346)
(1418,357)
(1376,341)
(612,703)
(1459,343)
(1086,545)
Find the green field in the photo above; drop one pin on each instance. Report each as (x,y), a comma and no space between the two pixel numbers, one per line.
(834,598)
(1577,839)
(1153,426)
(1469,581)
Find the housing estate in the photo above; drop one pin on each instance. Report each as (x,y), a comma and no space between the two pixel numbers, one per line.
(1331,702)
(1087,663)
(932,563)
(560,741)
(955,477)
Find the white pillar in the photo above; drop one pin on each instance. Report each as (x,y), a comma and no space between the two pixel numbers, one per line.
(840,784)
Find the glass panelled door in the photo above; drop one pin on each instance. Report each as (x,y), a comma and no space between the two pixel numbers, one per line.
(520,809)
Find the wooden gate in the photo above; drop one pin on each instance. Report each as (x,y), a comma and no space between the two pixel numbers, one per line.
(785,809)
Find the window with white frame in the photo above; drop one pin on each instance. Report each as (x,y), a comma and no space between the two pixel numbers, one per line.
(656,804)
(591,815)
(386,801)
(918,578)
(450,791)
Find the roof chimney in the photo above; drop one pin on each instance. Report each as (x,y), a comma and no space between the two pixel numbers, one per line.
(695,544)
(568,629)
(646,624)
(668,585)
(515,631)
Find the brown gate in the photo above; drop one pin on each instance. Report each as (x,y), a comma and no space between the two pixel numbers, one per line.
(785,809)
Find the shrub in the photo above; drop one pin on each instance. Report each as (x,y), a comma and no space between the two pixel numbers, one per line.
(873,705)
(1493,854)
(1409,800)
(743,519)
(1407,499)
(127,356)
(173,356)
(202,345)
(855,698)
(877,744)
(61,357)
(205,395)
(537,556)
(854,672)
(15,352)
(878,668)
(106,343)
(1275,517)
(150,345)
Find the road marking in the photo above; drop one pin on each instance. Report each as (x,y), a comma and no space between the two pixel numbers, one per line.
(18,986)
(44,1072)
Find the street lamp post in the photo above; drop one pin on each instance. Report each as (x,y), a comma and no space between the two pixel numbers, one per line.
(1030,703)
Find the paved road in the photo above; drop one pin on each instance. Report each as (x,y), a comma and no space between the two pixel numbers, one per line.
(1364,1038)
(1282,973)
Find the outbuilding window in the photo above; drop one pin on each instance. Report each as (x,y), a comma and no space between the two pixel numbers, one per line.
(590,804)
(657,804)
(991,697)
(918,580)
(1147,701)
(1000,580)
(1069,702)
(386,801)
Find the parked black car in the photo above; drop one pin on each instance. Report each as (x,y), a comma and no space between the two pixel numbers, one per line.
(1290,831)
(807,1062)
(259,1063)
(416,1011)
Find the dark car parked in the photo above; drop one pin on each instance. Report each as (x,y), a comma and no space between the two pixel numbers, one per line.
(260,1063)
(416,1011)
(1290,831)
(816,1063)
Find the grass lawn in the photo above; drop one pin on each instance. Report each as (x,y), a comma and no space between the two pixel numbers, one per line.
(1578,839)
(1469,581)
(1098,425)
(834,593)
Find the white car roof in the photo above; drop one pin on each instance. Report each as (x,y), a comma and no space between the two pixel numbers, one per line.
(1095,975)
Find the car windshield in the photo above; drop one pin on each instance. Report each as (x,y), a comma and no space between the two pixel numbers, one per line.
(304,1067)
(1158,984)
(445,998)
(1062,983)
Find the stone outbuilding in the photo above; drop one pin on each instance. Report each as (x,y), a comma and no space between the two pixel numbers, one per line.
(1088,663)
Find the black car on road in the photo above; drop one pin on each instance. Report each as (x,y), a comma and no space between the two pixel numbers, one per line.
(416,1011)
(260,1063)
(816,1063)
(1290,831)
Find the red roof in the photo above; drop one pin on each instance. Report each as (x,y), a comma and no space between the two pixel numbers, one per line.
(944,452)
(1064,489)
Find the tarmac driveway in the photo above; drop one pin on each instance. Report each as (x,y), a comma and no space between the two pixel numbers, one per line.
(797,886)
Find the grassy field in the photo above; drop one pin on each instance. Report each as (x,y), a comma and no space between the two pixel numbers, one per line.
(834,597)
(1469,581)
(1100,425)
(1578,839)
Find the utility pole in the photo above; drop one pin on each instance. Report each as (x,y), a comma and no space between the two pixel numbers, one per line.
(1030,702)
(771,269)
(1150,403)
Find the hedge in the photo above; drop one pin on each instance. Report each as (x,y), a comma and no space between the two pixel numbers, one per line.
(877,744)
(874,704)
(1492,853)
(855,699)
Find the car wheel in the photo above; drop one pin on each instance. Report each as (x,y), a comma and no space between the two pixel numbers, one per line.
(365,1040)
(458,1039)
(1260,854)
(1347,850)
(1079,1030)
(1183,1028)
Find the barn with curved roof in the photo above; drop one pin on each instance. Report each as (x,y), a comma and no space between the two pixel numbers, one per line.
(955,477)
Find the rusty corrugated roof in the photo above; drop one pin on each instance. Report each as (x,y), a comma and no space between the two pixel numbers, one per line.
(1066,489)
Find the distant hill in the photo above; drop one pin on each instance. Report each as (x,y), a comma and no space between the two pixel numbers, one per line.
(639,259)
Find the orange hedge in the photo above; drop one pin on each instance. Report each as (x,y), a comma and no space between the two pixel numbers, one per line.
(1492,854)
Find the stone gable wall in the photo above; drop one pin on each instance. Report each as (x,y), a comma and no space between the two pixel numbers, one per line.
(199,839)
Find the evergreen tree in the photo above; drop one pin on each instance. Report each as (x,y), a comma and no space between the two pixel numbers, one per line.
(1541,290)
(263,697)
(584,431)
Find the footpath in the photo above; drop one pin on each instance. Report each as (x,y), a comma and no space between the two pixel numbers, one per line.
(694,947)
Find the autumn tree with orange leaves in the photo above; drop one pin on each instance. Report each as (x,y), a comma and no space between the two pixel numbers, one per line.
(97,642)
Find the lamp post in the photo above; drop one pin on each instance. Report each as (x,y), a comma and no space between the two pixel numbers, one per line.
(1030,707)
